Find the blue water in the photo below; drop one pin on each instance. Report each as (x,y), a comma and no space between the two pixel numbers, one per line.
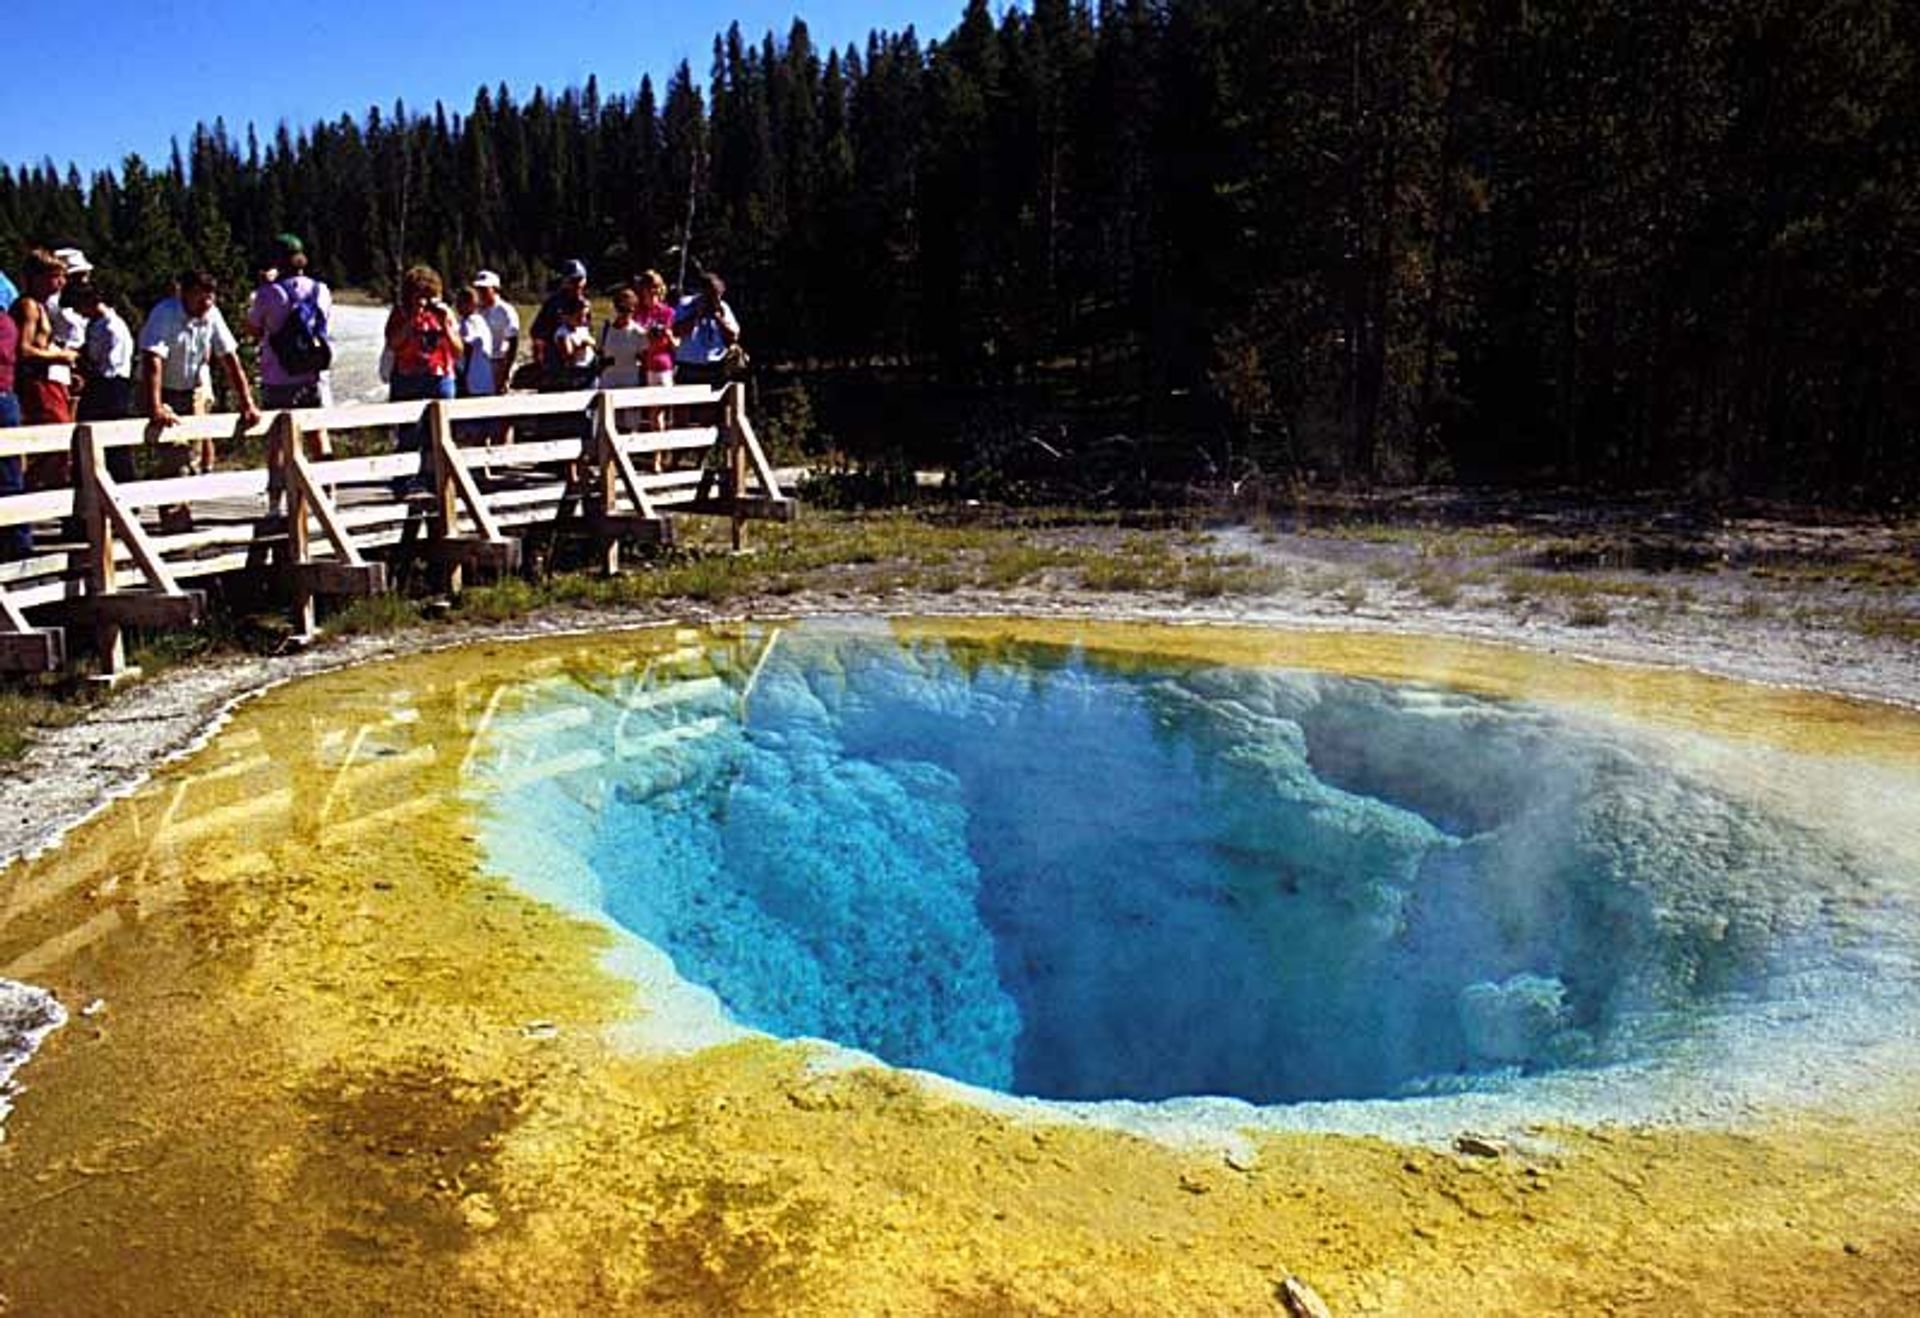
(1048,874)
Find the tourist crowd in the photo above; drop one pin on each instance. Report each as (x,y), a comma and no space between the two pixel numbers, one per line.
(66,353)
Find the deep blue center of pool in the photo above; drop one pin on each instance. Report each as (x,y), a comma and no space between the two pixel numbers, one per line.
(1078,879)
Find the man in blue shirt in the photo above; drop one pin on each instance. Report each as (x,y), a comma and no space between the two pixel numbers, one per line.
(708,332)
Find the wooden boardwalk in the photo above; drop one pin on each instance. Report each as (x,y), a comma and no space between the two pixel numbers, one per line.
(111,554)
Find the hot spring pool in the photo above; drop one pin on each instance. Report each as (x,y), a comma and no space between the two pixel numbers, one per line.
(1058,873)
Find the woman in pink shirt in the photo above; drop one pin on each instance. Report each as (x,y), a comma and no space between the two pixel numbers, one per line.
(655,317)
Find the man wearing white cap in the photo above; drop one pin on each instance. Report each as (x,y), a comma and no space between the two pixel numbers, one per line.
(79,273)
(503,326)
(70,326)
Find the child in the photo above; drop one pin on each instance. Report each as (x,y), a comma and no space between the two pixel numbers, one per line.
(573,347)
(622,344)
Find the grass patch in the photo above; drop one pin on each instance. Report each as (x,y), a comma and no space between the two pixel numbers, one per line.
(1589,613)
(375,615)
(1013,565)
(1212,578)
(1574,588)
(1139,563)
(500,601)
(1436,587)
(1888,570)
(1886,625)
(25,711)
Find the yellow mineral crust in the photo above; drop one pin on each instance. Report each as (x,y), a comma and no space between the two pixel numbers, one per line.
(330,1066)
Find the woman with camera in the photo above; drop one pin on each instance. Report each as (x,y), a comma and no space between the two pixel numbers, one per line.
(424,337)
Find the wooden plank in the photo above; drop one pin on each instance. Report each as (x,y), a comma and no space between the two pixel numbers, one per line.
(575,402)
(189,489)
(188,569)
(381,537)
(324,577)
(183,543)
(360,416)
(550,492)
(36,650)
(751,508)
(26,440)
(32,569)
(58,438)
(376,467)
(523,455)
(664,395)
(138,608)
(644,527)
(500,553)
(357,518)
(547,518)
(194,429)
(46,592)
(11,617)
(129,433)
(505,406)
(39,506)
(653,482)
(29,441)
(668,441)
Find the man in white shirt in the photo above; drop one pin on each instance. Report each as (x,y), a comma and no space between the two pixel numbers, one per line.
(181,339)
(106,360)
(69,321)
(476,361)
(708,330)
(503,326)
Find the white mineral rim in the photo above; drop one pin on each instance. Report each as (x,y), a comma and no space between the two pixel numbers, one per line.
(27,1015)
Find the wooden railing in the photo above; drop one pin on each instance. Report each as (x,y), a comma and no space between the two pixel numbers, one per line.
(111,554)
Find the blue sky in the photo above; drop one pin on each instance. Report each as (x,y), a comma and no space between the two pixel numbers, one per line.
(153,71)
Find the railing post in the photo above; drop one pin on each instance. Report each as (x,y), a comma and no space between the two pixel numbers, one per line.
(90,505)
(282,444)
(446,493)
(607,473)
(734,400)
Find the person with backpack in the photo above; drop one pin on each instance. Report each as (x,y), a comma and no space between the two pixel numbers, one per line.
(290,315)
